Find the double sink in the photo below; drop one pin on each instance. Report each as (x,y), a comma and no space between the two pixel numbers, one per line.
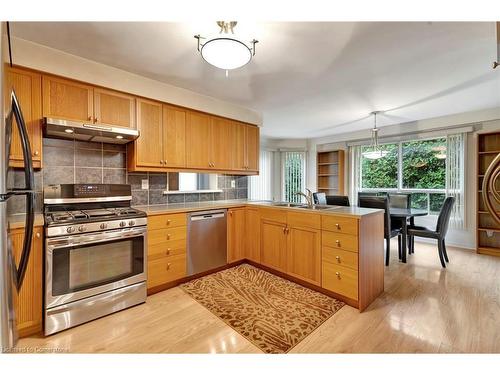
(305,206)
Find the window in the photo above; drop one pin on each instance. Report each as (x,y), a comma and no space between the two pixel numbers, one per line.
(191,182)
(416,166)
(294,175)
(260,187)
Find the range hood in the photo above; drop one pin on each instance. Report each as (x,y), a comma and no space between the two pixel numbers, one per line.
(80,131)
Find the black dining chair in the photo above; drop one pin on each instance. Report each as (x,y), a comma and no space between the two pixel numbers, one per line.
(401,200)
(389,231)
(366,194)
(439,233)
(319,198)
(337,200)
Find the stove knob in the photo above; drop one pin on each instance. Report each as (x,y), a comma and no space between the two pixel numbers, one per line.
(70,229)
(81,228)
(103,226)
(131,223)
(122,223)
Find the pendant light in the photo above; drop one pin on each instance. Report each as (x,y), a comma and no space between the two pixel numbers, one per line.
(225,51)
(375,151)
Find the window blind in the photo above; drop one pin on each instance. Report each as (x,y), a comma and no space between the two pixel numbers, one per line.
(260,187)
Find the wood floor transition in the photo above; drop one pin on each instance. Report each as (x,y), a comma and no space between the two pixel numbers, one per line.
(424,309)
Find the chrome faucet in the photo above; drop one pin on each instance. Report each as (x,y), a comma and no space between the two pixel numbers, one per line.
(308,196)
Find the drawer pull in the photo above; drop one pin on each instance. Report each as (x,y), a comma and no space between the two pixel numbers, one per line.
(337,226)
(168,251)
(169,221)
(338,275)
(338,259)
(168,236)
(338,243)
(168,266)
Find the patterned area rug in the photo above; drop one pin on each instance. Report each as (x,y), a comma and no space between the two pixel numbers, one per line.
(273,313)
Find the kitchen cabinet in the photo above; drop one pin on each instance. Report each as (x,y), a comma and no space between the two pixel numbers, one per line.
(29,299)
(28,88)
(236,238)
(70,100)
(148,148)
(252,148)
(304,247)
(174,136)
(198,141)
(221,143)
(167,236)
(66,99)
(273,241)
(114,108)
(252,234)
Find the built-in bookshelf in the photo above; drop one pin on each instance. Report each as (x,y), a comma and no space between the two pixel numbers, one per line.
(488,230)
(330,172)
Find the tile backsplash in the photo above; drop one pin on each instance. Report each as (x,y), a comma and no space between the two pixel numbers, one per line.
(68,162)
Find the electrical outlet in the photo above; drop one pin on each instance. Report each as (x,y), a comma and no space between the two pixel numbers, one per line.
(145,184)
(233,183)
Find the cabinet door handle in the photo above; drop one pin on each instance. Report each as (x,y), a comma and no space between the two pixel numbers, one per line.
(90,118)
(37,235)
(287,230)
(36,153)
(95,120)
(284,230)
(338,275)
(231,213)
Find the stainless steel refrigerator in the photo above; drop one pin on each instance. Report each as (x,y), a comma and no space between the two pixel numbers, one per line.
(12,275)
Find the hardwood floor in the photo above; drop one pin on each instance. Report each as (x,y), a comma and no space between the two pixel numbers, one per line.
(424,309)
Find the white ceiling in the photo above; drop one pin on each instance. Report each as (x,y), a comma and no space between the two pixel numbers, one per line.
(308,79)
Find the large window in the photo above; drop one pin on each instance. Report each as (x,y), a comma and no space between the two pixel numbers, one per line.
(417,166)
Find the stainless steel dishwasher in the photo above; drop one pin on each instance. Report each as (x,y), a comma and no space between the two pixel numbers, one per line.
(207,241)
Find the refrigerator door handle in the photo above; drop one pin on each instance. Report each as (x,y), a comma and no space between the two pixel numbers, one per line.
(29,184)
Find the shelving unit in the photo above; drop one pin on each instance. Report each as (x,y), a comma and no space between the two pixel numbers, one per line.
(488,230)
(330,172)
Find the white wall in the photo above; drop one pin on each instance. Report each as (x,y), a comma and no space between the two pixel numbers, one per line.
(39,57)
(482,121)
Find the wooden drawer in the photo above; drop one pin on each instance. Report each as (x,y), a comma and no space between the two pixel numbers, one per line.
(166,235)
(167,221)
(273,214)
(340,257)
(165,249)
(341,280)
(164,270)
(304,220)
(340,224)
(339,241)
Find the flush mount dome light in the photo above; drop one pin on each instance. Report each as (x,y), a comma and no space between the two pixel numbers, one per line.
(226,52)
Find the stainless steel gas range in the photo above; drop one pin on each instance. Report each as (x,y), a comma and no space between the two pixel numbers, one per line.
(95,253)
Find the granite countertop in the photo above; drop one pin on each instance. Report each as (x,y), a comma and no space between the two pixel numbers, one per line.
(200,206)
(17,221)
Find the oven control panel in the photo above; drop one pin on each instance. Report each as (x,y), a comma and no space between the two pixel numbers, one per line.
(84,190)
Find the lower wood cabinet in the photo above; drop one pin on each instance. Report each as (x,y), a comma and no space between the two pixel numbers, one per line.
(29,300)
(304,254)
(167,236)
(252,234)
(236,238)
(273,244)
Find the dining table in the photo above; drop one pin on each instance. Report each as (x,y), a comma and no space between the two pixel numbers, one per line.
(403,214)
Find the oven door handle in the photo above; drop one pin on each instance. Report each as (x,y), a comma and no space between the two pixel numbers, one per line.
(99,239)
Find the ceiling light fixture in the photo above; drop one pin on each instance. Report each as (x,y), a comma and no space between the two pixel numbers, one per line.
(375,151)
(226,52)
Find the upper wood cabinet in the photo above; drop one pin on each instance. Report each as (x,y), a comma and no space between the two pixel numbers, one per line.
(29,299)
(221,142)
(198,147)
(174,136)
(66,99)
(70,100)
(148,151)
(236,234)
(252,147)
(114,108)
(27,85)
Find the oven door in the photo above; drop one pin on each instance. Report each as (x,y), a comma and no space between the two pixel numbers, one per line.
(81,266)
